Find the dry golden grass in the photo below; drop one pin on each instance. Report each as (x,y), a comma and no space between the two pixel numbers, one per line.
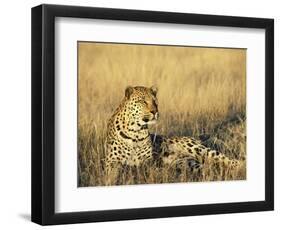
(201,90)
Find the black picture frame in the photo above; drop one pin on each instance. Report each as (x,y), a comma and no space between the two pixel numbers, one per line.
(43,114)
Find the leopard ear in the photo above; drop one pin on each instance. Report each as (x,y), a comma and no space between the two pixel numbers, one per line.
(128,92)
(154,90)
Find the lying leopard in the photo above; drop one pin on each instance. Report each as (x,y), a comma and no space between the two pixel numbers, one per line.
(129,142)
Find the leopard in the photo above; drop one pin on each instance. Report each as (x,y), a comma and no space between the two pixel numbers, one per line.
(130,143)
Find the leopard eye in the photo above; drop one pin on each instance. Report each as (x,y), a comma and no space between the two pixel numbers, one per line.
(142,102)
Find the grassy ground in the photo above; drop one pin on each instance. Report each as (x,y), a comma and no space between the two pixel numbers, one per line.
(201,91)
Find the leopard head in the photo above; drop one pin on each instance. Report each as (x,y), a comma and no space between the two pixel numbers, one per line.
(142,104)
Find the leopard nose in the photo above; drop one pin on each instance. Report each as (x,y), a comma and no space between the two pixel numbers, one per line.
(153,111)
(156,115)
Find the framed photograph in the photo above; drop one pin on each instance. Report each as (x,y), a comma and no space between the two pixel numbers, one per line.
(142,114)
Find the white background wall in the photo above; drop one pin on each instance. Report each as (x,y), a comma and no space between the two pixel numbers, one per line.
(15,113)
